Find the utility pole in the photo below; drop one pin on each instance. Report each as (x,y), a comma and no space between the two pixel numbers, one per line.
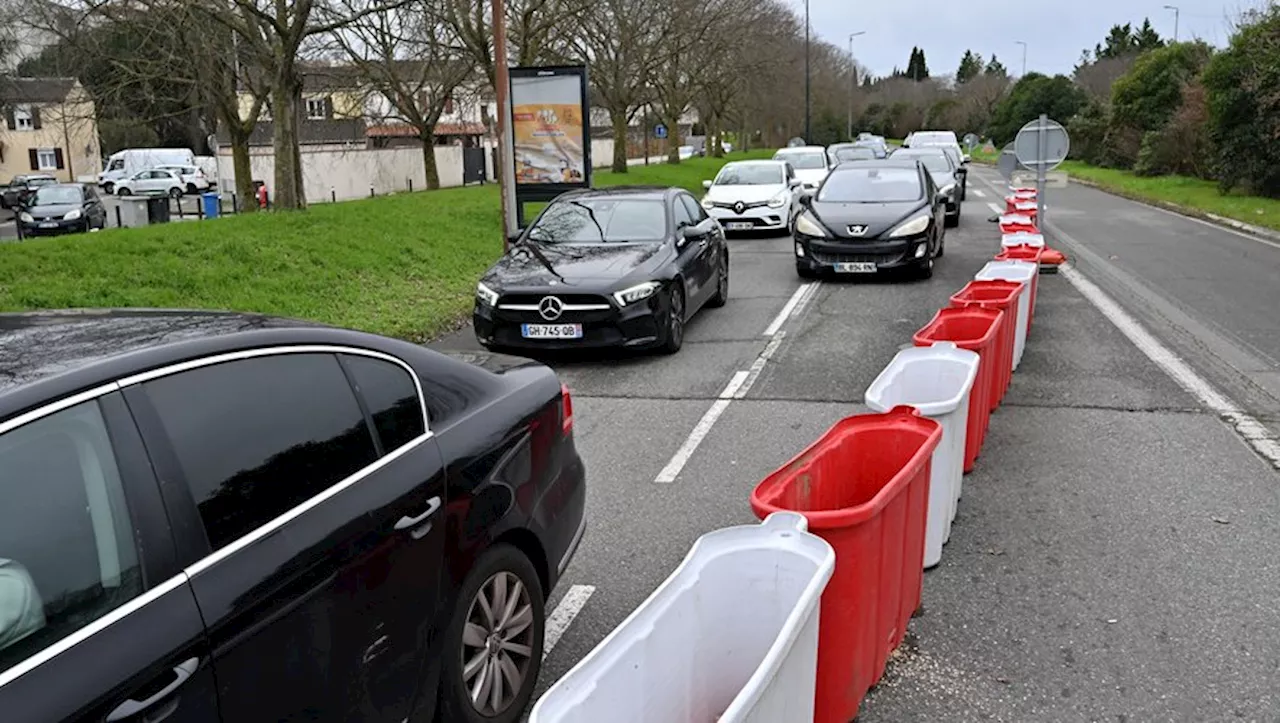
(808,121)
(1174,8)
(1023,43)
(506,145)
(853,85)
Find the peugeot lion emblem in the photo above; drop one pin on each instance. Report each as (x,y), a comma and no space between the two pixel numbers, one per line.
(739,207)
(550,308)
(857,229)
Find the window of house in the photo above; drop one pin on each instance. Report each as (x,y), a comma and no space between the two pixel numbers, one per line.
(23,118)
(448,105)
(317,108)
(46,159)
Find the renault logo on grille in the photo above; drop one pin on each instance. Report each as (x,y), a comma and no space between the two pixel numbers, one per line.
(857,229)
(739,207)
(550,308)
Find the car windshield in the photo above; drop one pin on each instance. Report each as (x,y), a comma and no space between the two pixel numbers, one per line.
(852,184)
(750,174)
(56,195)
(806,161)
(935,162)
(855,154)
(601,220)
(41,181)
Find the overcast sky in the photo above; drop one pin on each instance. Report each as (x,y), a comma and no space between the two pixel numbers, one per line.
(1055,31)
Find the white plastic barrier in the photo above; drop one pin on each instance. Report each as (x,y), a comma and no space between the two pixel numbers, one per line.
(936,380)
(1022,238)
(1026,272)
(731,636)
(1015,218)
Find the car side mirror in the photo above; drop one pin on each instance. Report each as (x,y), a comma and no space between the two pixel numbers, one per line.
(940,198)
(706,185)
(696,230)
(806,198)
(794,183)
(965,158)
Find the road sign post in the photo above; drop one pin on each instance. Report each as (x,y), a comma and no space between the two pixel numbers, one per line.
(1041,145)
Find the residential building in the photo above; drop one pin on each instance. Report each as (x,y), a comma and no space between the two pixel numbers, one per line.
(51,126)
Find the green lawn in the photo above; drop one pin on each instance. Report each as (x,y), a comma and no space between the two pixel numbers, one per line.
(1191,193)
(402,265)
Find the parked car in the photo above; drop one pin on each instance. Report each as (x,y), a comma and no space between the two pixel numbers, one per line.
(622,267)
(152,181)
(131,161)
(871,216)
(192,176)
(62,208)
(811,163)
(854,153)
(224,517)
(877,144)
(753,196)
(21,188)
(946,175)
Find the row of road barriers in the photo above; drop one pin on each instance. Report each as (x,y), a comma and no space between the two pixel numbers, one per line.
(793,620)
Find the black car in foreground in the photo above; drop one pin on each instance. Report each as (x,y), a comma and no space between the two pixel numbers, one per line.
(62,208)
(946,175)
(622,267)
(218,517)
(871,216)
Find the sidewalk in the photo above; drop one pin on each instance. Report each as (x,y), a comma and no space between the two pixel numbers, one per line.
(1112,558)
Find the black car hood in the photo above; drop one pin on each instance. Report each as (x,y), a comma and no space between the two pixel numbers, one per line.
(57,209)
(590,266)
(877,217)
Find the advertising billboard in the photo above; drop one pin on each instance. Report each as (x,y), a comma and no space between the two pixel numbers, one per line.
(551,130)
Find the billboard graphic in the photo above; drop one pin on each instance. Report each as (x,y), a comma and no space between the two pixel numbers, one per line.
(549,127)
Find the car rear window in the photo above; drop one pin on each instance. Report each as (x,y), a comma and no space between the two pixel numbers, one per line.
(805,161)
(851,184)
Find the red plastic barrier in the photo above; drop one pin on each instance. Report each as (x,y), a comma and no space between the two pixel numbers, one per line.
(1003,296)
(976,330)
(1019,227)
(1052,257)
(1034,254)
(864,487)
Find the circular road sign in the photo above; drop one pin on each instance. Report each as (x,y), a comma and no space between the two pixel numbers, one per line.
(1056,144)
(795,142)
(971,140)
(660,131)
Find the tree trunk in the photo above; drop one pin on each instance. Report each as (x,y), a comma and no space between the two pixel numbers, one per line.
(673,137)
(243,169)
(285,111)
(619,120)
(429,160)
(713,136)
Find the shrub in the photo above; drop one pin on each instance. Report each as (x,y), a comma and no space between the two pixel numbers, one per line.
(1244,105)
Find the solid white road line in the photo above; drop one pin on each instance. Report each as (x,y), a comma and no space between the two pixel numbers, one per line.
(1254,433)
(700,430)
(562,617)
(788,309)
(979,194)
(1214,226)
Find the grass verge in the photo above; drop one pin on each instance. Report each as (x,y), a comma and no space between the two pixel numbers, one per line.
(402,265)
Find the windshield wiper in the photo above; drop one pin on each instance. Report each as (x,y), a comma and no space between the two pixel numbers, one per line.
(592,215)
(531,245)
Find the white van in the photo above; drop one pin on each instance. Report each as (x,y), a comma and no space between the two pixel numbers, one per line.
(124,164)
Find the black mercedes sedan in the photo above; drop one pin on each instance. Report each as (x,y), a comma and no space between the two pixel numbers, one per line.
(214,517)
(871,216)
(62,208)
(946,175)
(619,267)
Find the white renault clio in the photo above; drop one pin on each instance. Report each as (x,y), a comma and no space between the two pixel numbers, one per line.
(811,163)
(753,196)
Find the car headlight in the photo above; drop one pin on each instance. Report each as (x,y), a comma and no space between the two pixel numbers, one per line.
(486,295)
(73,214)
(779,200)
(707,204)
(26,217)
(911,228)
(949,190)
(806,225)
(636,293)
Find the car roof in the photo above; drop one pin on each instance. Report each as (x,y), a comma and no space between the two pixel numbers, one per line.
(633,191)
(801,149)
(883,163)
(53,354)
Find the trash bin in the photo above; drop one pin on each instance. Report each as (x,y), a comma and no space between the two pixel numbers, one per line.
(212,204)
(936,380)
(731,636)
(1024,272)
(1022,238)
(1005,296)
(157,209)
(864,487)
(133,211)
(976,330)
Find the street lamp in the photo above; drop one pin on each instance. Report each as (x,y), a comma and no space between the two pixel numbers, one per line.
(1174,8)
(1023,43)
(853,83)
(808,125)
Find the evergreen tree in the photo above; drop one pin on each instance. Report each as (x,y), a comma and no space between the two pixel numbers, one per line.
(917,68)
(1146,38)
(970,67)
(995,68)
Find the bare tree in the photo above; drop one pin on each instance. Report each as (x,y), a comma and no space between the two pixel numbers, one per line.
(411,64)
(676,80)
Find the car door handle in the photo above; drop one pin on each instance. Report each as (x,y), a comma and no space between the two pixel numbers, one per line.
(182,672)
(409,523)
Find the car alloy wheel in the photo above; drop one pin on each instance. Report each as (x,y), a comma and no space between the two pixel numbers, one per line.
(722,285)
(175,193)
(497,643)
(675,319)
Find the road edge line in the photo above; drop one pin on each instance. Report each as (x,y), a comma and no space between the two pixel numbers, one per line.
(788,309)
(562,617)
(690,445)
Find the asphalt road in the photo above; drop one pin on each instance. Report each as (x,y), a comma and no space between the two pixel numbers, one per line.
(1110,560)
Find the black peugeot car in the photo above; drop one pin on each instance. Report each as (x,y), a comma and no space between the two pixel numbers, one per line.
(221,517)
(62,208)
(624,267)
(871,216)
